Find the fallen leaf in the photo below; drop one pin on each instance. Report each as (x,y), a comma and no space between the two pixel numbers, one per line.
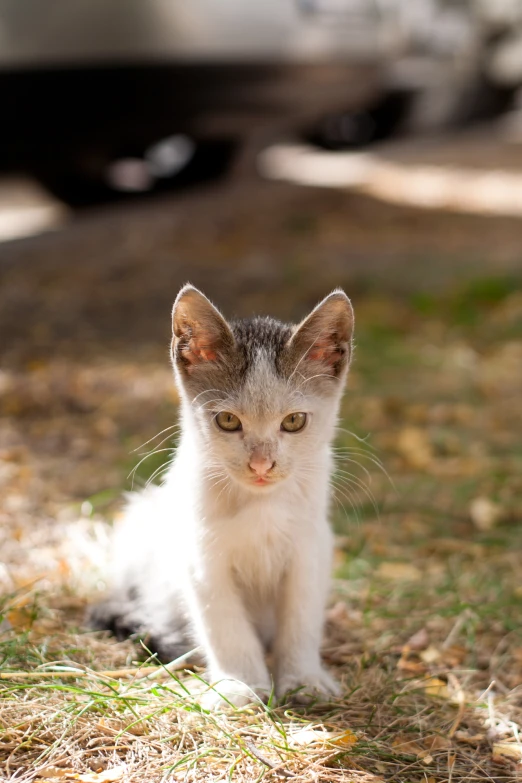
(405,744)
(345,740)
(20,619)
(107,776)
(321,737)
(449,546)
(406,664)
(470,739)
(399,571)
(58,773)
(437,742)
(511,750)
(454,655)
(339,614)
(430,655)
(419,640)
(413,445)
(339,558)
(435,687)
(484,513)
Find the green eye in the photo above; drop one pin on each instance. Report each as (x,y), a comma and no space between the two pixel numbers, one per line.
(228,421)
(293,422)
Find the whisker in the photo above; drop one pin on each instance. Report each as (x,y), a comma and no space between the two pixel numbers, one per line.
(354,462)
(158,472)
(354,481)
(172,426)
(375,460)
(342,506)
(156,449)
(348,497)
(133,471)
(354,435)
(227,485)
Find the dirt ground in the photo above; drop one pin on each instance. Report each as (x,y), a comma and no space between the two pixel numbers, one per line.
(424,626)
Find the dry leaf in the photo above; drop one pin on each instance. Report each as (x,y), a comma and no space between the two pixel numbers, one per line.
(435,687)
(20,619)
(339,614)
(470,739)
(339,558)
(404,744)
(437,742)
(511,750)
(399,571)
(58,773)
(454,655)
(414,446)
(419,640)
(430,655)
(406,664)
(484,513)
(321,737)
(345,740)
(309,737)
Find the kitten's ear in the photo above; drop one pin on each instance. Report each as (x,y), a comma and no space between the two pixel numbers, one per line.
(325,336)
(200,333)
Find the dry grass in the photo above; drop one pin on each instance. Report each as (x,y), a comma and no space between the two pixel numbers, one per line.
(424,625)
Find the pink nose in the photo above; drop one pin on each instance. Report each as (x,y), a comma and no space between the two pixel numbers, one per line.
(261,465)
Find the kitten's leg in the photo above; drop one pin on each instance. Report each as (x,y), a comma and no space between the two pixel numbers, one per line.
(234,653)
(300,622)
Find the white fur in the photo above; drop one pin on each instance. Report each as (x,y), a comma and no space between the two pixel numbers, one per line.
(247,566)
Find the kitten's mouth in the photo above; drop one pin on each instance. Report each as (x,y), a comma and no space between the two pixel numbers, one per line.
(266,483)
(260,483)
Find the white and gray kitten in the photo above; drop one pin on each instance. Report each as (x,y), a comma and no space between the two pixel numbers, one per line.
(233,551)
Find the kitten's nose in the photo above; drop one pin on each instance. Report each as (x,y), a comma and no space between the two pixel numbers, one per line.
(261,465)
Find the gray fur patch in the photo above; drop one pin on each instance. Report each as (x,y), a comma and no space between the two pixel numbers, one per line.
(261,333)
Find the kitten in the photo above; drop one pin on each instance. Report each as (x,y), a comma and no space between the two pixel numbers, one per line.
(233,551)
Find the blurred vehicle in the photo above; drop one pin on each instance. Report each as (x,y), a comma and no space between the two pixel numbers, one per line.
(448,63)
(127,94)
(101,97)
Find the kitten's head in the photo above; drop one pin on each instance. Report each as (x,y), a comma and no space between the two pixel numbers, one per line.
(262,395)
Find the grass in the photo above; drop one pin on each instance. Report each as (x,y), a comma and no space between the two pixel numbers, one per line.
(424,624)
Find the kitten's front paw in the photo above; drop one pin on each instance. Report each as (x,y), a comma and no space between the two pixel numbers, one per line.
(306,687)
(227,693)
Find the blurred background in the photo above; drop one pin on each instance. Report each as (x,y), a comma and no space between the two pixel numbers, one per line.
(268,152)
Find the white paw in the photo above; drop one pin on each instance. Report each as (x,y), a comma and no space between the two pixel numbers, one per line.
(307,687)
(227,693)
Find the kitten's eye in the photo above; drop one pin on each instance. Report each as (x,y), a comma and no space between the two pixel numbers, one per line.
(293,422)
(228,421)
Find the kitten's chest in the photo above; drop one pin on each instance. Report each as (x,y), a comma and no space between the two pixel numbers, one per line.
(260,545)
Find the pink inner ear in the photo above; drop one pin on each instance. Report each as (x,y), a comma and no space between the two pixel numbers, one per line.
(201,352)
(324,351)
(198,351)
